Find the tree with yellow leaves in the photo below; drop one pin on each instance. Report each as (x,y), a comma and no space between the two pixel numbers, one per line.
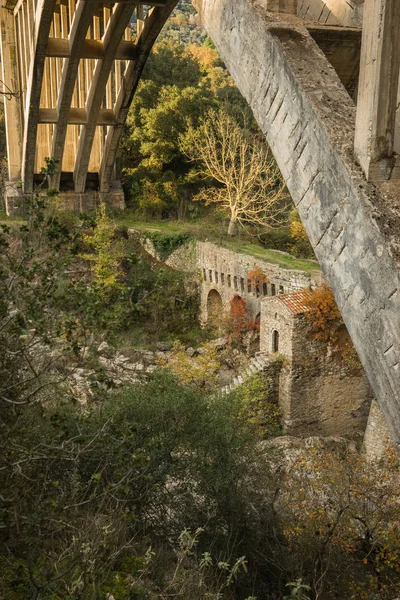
(247,182)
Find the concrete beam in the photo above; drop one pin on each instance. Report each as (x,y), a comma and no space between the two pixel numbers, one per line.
(12,103)
(342,47)
(61,48)
(112,37)
(377,92)
(77,116)
(309,121)
(43,20)
(152,27)
(82,18)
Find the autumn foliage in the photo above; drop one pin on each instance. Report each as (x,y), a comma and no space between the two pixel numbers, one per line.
(256,278)
(323,315)
(240,322)
(342,515)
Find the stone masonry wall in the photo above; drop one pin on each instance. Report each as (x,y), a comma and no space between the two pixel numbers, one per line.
(182,259)
(276,316)
(319,393)
(227,272)
(329,397)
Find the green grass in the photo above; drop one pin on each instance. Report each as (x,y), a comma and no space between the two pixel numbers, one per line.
(282,259)
(208,229)
(11,221)
(213,232)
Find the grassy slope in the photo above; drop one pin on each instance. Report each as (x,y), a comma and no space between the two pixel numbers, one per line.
(212,232)
(206,230)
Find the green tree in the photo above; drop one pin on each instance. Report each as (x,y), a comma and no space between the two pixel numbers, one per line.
(179,85)
(158,172)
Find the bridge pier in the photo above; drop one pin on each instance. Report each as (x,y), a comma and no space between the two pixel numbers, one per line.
(378,91)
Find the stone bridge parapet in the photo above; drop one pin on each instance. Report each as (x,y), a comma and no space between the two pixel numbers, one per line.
(227,272)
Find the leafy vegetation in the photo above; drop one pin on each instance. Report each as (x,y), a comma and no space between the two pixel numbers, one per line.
(165,244)
(210,229)
(199,372)
(112,491)
(162,489)
(259,406)
(159,489)
(180,85)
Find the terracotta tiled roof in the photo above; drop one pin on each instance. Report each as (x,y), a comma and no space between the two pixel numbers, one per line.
(297,301)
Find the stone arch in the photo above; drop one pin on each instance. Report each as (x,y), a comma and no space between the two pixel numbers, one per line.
(214,308)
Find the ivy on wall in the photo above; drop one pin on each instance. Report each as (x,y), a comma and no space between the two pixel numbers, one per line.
(166,243)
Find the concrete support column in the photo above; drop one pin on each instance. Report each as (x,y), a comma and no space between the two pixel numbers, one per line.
(378,87)
(12,104)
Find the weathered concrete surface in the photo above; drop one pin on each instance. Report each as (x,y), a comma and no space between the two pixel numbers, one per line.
(309,121)
(377,91)
(342,47)
(377,438)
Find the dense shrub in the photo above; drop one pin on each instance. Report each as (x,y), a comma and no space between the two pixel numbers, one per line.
(166,243)
(92,500)
(259,407)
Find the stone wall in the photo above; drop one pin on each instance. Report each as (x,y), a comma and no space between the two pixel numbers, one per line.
(276,317)
(182,259)
(319,392)
(228,272)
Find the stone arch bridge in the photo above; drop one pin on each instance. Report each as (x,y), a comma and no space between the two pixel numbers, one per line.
(322,78)
(226,274)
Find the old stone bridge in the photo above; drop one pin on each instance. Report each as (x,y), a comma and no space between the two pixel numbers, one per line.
(322,78)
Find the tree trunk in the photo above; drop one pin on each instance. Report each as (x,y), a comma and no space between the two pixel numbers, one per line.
(232,227)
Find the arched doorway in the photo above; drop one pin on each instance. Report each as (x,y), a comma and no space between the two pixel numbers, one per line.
(275,341)
(214,308)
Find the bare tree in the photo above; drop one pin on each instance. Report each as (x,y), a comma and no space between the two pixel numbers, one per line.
(247,180)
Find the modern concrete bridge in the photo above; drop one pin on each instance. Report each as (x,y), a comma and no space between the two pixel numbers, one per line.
(72,70)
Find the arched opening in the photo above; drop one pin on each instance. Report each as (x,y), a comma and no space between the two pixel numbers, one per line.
(275,341)
(214,308)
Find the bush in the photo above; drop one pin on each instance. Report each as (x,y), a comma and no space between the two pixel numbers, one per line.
(258,405)
(166,243)
(200,371)
(276,239)
(112,488)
